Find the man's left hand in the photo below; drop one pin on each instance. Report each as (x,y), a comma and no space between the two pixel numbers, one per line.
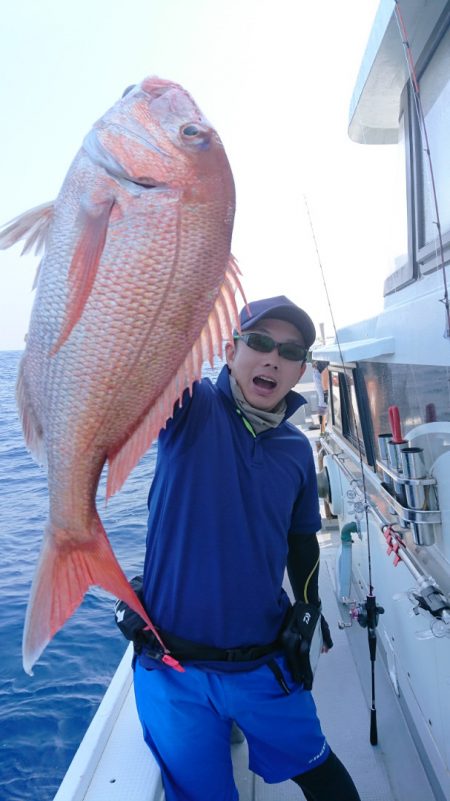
(326,636)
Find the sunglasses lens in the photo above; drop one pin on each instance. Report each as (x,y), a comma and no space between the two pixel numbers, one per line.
(292,351)
(260,342)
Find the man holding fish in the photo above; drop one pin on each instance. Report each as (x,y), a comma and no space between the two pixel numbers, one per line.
(233,500)
(135,291)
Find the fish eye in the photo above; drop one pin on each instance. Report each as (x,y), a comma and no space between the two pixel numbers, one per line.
(190,130)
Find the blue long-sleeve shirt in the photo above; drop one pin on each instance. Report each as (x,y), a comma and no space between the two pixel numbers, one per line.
(221,507)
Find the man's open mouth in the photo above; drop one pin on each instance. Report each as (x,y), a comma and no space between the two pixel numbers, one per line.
(264,383)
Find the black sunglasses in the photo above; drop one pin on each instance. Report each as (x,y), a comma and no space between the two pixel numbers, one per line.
(265,344)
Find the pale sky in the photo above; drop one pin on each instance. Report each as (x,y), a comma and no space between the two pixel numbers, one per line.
(275,79)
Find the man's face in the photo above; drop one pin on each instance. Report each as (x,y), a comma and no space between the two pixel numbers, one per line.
(265,378)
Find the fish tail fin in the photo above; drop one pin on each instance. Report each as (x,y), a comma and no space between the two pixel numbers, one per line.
(32,227)
(64,573)
(218,328)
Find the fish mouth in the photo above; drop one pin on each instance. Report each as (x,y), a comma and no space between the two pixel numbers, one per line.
(146,183)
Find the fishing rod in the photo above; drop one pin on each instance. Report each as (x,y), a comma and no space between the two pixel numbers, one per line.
(426,147)
(369,612)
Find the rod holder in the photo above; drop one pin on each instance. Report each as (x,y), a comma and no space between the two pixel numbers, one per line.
(413,467)
(420,521)
(418,496)
(395,460)
(384,457)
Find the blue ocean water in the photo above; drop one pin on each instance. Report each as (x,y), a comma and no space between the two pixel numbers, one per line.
(43,717)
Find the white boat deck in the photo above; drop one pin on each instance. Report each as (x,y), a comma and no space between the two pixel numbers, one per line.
(113,763)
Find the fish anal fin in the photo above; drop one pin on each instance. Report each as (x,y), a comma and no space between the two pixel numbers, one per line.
(66,570)
(218,328)
(93,223)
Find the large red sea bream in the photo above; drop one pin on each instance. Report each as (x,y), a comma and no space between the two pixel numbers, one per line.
(135,290)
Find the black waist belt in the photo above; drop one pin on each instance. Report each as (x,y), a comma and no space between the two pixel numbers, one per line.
(186,649)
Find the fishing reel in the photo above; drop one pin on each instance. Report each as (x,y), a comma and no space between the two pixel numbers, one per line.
(368,613)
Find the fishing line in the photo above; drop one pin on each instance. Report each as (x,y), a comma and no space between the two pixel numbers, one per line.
(346,374)
(426,147)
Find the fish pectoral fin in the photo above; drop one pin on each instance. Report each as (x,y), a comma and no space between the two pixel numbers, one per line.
(93,222)
(218,328)
(32,227)
(32,429)
(66,570)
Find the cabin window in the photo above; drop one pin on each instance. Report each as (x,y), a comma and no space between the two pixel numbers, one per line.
(415,195)
(422,394)
(335,399)
(435,95)
(350,410)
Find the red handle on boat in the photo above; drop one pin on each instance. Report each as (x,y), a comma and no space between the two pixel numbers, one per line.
(394,419)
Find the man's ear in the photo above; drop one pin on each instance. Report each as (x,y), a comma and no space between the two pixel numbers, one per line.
(230,351)
(302,370)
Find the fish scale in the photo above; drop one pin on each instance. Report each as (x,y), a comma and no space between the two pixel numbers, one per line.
(135,291)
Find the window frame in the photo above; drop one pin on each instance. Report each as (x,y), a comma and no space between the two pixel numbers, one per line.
(422,257)
(408,271)
(362,444)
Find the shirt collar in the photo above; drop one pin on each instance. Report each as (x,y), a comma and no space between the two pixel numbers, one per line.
(293,399)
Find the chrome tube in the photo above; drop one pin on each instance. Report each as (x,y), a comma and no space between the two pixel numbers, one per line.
(395,459)
(384,457)
(417,495)
(413,467)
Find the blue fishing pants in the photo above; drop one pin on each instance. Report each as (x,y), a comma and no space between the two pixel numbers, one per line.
(187,718)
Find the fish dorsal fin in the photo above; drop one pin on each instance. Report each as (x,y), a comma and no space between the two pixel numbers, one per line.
(32,227)
(83,267)
(219,327)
